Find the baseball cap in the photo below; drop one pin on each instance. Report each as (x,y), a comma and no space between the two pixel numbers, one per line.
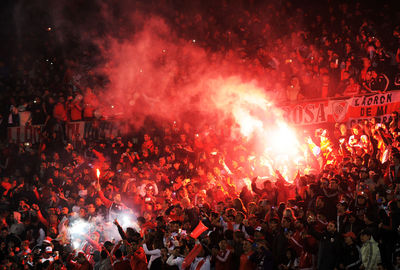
(47,240)
(350,234)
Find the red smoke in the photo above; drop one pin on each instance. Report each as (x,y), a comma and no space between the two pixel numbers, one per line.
(157,74)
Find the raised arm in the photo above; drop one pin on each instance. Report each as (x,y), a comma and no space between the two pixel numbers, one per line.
(120,230)
(106,201)
(151,252)
(225,258)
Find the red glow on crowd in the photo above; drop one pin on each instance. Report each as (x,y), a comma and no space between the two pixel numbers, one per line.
(200,134)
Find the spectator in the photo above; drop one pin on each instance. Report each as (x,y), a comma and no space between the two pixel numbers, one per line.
(120,262)
(329,251)
(370,253)
(352,89)
(293,91)
(81,262)
(351,253)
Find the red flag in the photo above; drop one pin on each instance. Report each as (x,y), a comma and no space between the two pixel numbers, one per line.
(198,230)
(191,256)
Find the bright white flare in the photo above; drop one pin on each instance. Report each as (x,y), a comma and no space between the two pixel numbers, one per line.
(257,118)
(79,227)
(128,220)
(283,140)
(248,124)
(76,244)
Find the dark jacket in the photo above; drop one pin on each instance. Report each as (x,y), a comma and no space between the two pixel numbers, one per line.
(329,251)
(351,258)
(279,244)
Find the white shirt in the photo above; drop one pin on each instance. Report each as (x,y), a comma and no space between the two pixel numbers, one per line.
(206,265)
(175,261)
(154,254)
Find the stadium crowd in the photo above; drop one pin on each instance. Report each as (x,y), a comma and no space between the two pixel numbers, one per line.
(344,216)
(312,50)
(172,179)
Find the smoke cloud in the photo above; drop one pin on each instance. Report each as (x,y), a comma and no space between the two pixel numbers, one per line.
(138,60)
(155,73)
(141,59)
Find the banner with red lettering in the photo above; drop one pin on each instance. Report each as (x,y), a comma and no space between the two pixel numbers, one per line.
(378,106)
(347,110)
(307,113)
(312,112)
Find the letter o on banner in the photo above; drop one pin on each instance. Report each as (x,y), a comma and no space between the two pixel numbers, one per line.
(298,114)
